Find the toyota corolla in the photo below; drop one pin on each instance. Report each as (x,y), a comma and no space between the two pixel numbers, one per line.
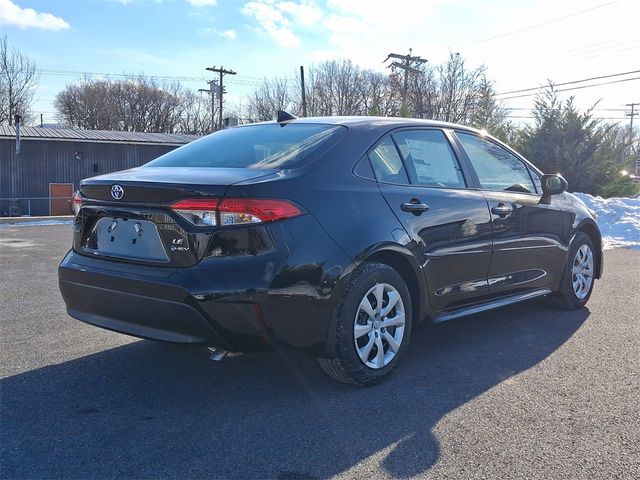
(330,236)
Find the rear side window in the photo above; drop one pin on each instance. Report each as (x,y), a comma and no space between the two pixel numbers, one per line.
(429,159)
(497,169)
(387,164)
(268,146)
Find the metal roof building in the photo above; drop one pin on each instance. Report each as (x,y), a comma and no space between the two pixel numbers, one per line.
(52,161)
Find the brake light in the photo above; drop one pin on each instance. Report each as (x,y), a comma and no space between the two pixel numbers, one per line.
(76,202)
(235,211)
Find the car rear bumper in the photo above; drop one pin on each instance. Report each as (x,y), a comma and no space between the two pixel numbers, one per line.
(241,303)
(138,315)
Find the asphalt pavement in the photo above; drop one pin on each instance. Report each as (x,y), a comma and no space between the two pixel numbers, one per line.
(527,391)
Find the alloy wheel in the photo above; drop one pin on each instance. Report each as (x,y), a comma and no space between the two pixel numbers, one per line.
(379,326)
(582,271)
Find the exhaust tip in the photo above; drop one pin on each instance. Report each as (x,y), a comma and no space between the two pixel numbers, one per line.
(216,354)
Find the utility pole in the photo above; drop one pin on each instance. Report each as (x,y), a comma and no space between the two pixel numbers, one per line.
(222,71)
(408,64)
(632,114)
(304,93)
(213,88)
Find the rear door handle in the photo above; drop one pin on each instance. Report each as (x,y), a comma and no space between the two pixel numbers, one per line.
(501,210)
(414,206)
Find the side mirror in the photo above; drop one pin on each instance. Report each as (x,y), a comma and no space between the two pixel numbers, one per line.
(553,184)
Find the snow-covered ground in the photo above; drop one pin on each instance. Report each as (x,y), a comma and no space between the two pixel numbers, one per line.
(35,223)
(618,218)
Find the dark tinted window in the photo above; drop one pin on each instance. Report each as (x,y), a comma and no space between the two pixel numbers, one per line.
(497,169)
(256,146)
(429,158)
(387,164)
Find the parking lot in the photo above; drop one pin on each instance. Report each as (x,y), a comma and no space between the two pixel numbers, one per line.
(523,392)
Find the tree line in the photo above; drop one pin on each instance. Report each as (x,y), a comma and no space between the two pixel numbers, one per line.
(133,104)
(590,153)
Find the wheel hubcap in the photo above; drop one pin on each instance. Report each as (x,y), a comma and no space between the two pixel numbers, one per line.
(582,271)
(379,326)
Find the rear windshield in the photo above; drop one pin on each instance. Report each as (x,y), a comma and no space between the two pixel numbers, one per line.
(268,146)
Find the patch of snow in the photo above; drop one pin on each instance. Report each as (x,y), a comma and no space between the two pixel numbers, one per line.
(618,219)
(33,223)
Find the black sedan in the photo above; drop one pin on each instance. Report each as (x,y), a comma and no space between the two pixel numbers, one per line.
(331,236)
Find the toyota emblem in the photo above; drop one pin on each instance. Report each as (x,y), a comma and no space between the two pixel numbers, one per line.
(117,192)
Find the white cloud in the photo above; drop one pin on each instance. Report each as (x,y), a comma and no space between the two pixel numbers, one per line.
(304,13)
(203,3)
(230,34)
(279,18)
(12,14)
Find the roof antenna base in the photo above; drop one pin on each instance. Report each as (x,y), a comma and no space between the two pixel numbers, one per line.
(284,117)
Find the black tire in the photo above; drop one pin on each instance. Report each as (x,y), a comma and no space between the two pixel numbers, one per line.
(566,297)
(346,365)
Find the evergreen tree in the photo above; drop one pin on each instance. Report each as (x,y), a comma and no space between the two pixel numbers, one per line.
(564,140)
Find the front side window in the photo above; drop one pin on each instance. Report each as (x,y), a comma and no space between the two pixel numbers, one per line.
(387,164)
(497,169)
(429,158)
(256,146)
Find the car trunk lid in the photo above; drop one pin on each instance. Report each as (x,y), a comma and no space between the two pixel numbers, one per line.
(126,216)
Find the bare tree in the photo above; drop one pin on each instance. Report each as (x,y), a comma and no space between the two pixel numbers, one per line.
(458,90)
(422,97)
(18,81)
(448,92)
(335,89)
(137,103)
(196,114)
(378,94)
(271,96)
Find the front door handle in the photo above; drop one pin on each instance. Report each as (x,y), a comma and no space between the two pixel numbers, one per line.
(414,206)
(502,210)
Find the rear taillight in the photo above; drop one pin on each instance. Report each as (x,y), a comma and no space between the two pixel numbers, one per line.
(235,211)
(198,211)
(76,201)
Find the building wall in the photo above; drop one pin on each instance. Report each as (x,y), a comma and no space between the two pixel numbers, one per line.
(47,161)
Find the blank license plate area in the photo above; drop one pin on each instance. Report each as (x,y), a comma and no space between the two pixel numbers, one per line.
(130,238)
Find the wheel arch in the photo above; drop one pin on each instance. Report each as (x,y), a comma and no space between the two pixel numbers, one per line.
(406,265)
(594,234)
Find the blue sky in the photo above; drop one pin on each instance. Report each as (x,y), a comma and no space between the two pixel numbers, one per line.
(535,40)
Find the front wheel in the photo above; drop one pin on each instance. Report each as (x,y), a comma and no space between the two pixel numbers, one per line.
(579,274)
(373,326)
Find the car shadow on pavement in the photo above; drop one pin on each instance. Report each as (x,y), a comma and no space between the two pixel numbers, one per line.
(150,410)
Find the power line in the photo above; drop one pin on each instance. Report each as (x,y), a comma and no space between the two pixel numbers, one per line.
(570,83)
(241,80)
(574,88)
(613,52)
(590,45)
(531,117)
(607,47)
(580,12)
(591,109)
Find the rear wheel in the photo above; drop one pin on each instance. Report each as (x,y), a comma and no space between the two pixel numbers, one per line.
(373,326)
(579,274)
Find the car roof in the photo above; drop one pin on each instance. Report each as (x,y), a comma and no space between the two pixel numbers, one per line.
(382,122)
